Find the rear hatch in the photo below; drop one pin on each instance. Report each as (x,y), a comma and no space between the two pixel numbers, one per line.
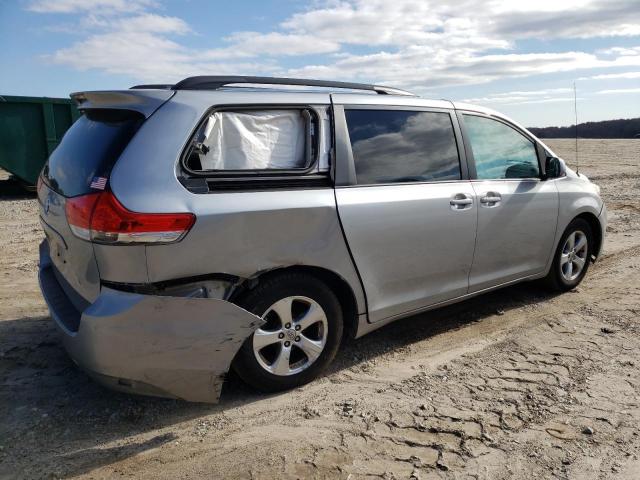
(79,166)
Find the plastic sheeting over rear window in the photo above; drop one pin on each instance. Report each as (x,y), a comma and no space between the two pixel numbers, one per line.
(254,140)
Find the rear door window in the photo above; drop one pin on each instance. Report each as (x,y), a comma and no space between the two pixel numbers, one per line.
(89,150)
(500,151)
(243,141)
(397,146)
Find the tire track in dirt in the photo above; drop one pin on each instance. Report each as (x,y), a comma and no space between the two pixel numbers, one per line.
(520,406)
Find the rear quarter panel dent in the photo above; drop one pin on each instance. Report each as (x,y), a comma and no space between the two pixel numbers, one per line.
(242,234)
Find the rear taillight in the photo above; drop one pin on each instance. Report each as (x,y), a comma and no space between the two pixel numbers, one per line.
(79,211)
(101,218)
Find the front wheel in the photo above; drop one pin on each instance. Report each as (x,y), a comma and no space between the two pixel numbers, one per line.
(572,257)
(300,337)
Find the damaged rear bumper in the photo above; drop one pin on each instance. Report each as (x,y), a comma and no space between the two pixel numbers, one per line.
(154,345)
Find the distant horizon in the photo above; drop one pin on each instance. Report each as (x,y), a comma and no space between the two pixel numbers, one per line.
(583,123)
(620,128)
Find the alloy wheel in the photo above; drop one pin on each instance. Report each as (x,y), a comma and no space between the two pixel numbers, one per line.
(573,257)
(293,337)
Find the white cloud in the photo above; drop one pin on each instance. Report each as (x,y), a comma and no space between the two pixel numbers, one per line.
(376,22)
(145,56)
(414,44)
(549,91)
(621,51)
(428,44)
(550,95)
(251,44)
(575,19)
(613,76)
(618,91)
(406,69)
(149,22)
(92,6)
(546,100)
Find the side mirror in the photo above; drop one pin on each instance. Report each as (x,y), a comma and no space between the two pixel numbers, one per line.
(552,167)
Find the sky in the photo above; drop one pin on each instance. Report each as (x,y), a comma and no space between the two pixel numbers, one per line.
(519,57)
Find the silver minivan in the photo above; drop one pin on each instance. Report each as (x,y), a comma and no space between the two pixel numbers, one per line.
(251,223)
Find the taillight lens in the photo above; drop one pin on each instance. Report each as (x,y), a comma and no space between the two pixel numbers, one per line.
(101,218)
(79,211)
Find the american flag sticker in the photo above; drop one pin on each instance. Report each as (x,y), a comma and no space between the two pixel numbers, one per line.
(98,183)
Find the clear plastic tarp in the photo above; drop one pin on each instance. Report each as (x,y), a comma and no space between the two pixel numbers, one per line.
(253,140)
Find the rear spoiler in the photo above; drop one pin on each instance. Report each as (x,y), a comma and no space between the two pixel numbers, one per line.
(142,101)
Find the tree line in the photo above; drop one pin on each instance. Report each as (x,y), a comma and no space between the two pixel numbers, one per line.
(622,128)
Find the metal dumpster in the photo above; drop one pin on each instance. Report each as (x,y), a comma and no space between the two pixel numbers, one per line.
(30,129)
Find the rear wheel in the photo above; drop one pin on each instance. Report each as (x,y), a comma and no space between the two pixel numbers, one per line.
(300,337)
(572,257)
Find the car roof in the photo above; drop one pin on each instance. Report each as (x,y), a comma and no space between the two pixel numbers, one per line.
(217,89)
(137,98)
(308,97)
(216,82)
(263,90)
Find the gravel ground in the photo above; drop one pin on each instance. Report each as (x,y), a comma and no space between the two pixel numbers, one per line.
(515,384)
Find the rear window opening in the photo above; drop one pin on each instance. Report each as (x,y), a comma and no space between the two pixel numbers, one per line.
(241,142)
(89,150)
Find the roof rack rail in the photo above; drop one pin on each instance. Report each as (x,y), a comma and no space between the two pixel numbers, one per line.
(215,82)
(153,86)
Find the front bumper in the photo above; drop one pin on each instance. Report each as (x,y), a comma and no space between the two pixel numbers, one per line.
(153,345)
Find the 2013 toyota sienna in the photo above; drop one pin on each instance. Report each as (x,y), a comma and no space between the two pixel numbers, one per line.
(250,223)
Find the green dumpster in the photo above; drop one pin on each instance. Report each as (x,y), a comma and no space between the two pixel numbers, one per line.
(30,129)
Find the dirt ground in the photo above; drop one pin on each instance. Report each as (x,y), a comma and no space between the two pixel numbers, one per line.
(514,384)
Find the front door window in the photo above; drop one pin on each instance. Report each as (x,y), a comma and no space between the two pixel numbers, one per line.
(499,150)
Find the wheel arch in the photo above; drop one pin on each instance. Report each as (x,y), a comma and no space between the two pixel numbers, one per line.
(596,231)
(588,215)
(338,285)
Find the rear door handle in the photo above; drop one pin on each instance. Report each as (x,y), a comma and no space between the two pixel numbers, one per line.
(461,201)
(491,199)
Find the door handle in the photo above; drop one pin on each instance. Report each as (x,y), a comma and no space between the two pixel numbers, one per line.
(461,201)
(491,199)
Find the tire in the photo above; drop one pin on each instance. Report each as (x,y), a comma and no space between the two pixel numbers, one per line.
(270,300)
(558,278)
